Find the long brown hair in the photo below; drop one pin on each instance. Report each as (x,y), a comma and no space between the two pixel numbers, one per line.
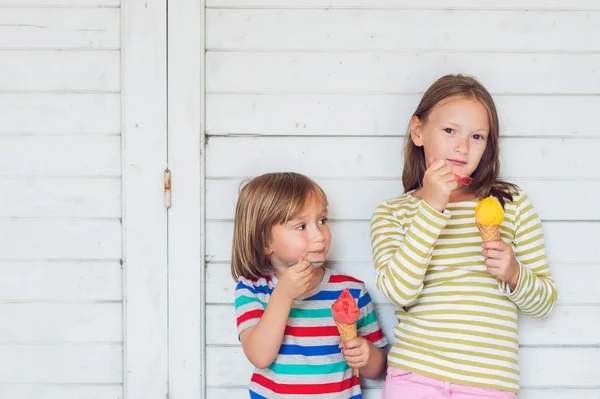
(265,201)
(485,177)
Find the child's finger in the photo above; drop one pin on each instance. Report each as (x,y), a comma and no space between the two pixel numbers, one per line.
(498,245)
(492,254)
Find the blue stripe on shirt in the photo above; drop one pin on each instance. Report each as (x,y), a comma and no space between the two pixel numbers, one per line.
(332,295)
(309,350)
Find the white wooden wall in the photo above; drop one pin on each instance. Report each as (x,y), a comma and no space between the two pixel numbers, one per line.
(60,203)
(326,88)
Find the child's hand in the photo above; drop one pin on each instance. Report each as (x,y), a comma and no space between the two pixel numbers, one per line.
(357,352)
(295,281)
(501,262)
(438,184)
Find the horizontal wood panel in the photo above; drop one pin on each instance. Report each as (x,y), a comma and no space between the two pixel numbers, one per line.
(567,325)
(61,363)
(34,239)
(548,367)
(61,322)
(377,73)
(61,198)
(572,289)
(550,197)
(375,393)
(385,115)
(66,113)
(351,241)
(331,29)
(49,3)
(60,70)
(411,4)
(67,156)
(382,157)
(61,391)
(60,281)
(39,28)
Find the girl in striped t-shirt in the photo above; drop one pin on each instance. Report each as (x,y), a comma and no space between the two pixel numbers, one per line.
(284,295)
(457,298)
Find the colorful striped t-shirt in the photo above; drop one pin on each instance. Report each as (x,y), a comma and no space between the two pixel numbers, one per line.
(309,360)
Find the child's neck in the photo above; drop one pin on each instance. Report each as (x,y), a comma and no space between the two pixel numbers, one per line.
(317,277)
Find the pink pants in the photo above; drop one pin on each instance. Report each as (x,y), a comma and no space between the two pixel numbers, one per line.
(401,384)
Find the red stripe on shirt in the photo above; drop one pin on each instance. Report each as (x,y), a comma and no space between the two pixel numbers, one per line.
(330,331)
(374,336)
(305,389)
(338,278)
(253,314)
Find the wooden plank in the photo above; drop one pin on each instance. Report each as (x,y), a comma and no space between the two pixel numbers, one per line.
(61,363)
(548,196)
(568,325)
(60,155)
(51,3)
(41,239)
(45,281)
(330,29)
(65,28)
(572,289)
(43,70)
(379,73)
(61,322)
(385,115)
(65,113)
(61,198)
(361,157)
(146,339)
(411,4)
(186,123)
(351,241)
(547,367)
(375,393)
(61,391)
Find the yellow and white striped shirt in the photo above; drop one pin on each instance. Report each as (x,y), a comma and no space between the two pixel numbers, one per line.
(455,322)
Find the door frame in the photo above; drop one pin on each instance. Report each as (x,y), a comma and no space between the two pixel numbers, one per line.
(144,158)
(186,144)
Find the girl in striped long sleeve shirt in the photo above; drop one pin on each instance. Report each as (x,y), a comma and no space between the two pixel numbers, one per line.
(457,298)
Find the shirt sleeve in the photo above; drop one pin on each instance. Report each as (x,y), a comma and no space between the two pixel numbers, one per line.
(535,293)
(248,306)
(402,252)
(367,325)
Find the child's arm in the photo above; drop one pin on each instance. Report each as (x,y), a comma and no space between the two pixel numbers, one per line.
(402,255)
(261,342)
(526,275)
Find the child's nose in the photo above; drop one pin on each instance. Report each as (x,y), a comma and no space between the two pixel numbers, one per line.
(462,146)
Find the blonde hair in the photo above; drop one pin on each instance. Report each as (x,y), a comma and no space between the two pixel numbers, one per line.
(265,201)
(485,177)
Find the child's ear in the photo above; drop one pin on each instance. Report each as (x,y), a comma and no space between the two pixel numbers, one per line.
(268,251)
(415,131)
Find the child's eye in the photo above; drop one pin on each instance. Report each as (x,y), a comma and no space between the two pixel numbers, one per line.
(478,137)
(323,221)
(449,130)
(301,227)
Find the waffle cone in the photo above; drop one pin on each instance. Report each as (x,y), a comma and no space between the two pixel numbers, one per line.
(347,332)
(489,232)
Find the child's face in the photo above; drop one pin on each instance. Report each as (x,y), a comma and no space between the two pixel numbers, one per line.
(456,130)
(305,237)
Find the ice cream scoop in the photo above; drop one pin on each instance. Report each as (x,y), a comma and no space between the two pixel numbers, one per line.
(344,309)
(489,211)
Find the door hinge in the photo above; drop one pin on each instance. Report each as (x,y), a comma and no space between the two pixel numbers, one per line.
(167,188)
